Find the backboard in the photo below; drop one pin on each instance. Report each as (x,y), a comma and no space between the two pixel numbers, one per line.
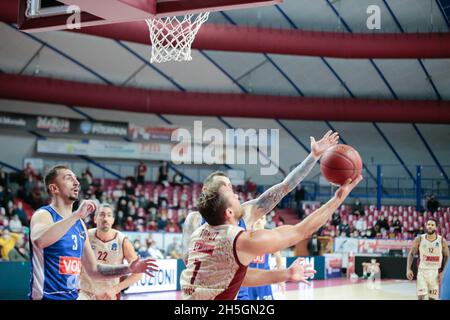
(46,15)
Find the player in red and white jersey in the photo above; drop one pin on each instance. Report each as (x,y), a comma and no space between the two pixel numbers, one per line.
(220,251)
(110,247)
(433,255)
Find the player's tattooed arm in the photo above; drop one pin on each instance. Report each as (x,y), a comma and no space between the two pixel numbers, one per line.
(410,259)
(97,271)
(269,199)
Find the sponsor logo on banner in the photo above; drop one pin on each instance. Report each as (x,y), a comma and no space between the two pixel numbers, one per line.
(333,265)
(136,132)
(53,124)
(164,280)
(347,245)
(108,130)
(10,120)
(69,265)
(106,149)
(100,128)
(86,127)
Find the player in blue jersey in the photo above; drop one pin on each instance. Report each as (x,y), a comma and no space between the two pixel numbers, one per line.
(262,262)
(60,246)
(254,209)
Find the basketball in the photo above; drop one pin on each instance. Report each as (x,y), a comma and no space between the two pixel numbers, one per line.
(340,163)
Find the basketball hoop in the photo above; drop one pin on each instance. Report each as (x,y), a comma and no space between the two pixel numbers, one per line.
(172,37)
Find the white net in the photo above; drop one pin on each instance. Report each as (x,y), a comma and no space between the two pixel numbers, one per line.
(172,37)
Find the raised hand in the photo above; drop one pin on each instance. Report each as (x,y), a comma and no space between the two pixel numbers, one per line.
(347,187)
(328,140)
(144,266)
(86,208)
(299,272)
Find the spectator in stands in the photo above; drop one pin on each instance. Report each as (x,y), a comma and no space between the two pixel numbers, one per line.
(355,234)
(162,222)
(36,198)
(7,242)
(141,172)
(154,252)
(299,197)
(172,227)
(357,208)
(143,250)
(382,223)
(4,221)
(163,198)
(18,210)
(250,186)
(89,175)
(270,224)
(314,246)
(336,219)
(3,177)
(84,183)
(174,249)
(432,204)
(177,180)
(152,226)
(15,225)
(129,188)
(20,252)
(371,233)
(417,232)
(396,225)
(2,195)
(344,228)
(163,174)
(377,231)
(360,224)
(129,224)
(7,197)
(29,172)
(137,244)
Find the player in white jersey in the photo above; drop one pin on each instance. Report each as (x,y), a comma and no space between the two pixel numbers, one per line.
(220,251)
(433,255)
(253,210)
(110,247)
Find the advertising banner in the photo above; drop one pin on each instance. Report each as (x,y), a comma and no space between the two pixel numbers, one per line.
(63,125)
(165,279)
(333,265)
(380,246)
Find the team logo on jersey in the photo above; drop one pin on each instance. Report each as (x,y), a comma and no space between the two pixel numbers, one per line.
(114,246)
(93,247)
(69,265)
(204,248)
(436,244)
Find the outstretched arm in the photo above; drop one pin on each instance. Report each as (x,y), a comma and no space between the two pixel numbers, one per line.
(270,198)
(100,271)
(251,244)
(296,272)
(130,255)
